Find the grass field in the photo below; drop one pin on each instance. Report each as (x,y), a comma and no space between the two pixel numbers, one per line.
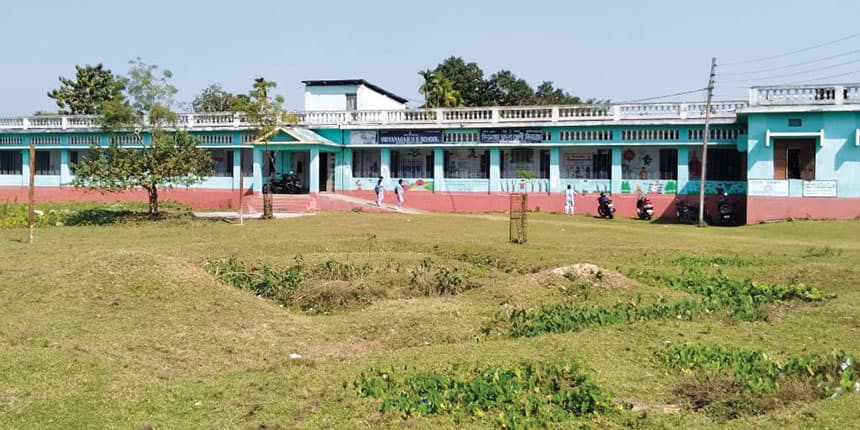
(123,326)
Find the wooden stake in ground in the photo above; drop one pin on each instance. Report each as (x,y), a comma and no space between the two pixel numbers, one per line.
(31,197)
(241,190)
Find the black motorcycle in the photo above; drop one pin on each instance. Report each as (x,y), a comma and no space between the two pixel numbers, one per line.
(725,209)
(688,213)
(289,183)
(605,208)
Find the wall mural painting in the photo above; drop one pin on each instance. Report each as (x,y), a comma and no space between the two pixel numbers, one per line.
(732,188)
(590,186)
(654,186)
(522,185)
(418,184)
(640,163)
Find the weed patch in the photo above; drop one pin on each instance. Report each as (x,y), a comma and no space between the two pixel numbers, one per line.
(825,251)
(337,271)
(743,299)
(429,279)
(263,280)
(526,395)
(759,373)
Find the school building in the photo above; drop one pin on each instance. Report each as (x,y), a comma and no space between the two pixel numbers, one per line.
(785,152)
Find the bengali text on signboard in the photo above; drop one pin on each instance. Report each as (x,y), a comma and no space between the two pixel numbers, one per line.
(819,188)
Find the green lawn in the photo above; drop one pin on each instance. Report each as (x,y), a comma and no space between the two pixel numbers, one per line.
(120,326)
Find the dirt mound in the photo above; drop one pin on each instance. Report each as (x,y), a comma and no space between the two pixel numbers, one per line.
(596,275)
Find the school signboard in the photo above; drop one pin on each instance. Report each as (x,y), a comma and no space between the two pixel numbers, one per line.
(410,137)
(504,135)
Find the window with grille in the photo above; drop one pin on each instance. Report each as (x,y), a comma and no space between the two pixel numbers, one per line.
(10,162)
(365,163)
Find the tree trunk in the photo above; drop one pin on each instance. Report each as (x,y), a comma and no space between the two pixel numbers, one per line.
(153,200)
(267,205)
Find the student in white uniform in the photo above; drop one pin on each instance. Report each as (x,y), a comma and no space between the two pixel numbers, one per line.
(398,191)
(568,201)
(380,192)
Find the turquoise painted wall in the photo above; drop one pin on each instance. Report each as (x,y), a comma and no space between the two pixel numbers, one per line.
(837,157)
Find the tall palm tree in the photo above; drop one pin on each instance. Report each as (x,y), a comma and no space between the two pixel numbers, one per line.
(438,91)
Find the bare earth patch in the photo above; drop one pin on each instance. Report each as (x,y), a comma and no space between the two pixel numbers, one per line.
(596,275)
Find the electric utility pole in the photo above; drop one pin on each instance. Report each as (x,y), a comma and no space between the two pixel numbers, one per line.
(705,143)
(31,198)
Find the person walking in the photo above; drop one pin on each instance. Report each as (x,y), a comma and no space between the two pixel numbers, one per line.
(568,201)
(380,192)
(398,191)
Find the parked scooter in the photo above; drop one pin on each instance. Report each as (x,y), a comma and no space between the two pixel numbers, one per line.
(644,207)
(726,212)
(605,208)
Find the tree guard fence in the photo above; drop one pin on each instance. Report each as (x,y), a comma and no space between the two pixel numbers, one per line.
(518,218)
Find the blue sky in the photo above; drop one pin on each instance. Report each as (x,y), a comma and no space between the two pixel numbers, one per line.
(621,50)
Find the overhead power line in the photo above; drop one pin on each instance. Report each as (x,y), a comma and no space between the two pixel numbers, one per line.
(802,72)
(789,66)
(785,54)
(665,96)
(821,78)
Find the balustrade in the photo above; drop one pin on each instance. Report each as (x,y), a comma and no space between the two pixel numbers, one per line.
(804,95)
(455,117)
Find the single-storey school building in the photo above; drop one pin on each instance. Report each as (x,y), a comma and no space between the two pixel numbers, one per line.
(788,151)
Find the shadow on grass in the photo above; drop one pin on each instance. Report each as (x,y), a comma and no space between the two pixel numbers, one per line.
(108,217)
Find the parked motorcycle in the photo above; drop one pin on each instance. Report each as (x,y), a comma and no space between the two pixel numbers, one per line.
(725,209)
(688,213)
(644,208)
(605,208)
(289,183)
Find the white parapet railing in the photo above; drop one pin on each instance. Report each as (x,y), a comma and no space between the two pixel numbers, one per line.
(497,116)
(816,94)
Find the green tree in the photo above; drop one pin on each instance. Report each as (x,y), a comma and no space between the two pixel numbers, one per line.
(214,99)
(500,89)
(467,79)
(438,91)
(92,86)
(546,94)
(266,113)
(170,157)
(506,89)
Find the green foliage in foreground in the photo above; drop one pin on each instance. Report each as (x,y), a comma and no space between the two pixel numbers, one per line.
(263,280)
(526,395)
(14,215)
(759,372)
(742,298)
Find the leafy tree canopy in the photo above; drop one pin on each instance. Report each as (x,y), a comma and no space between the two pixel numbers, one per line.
(170,156)
(502,88)
(214,99)
(92,86)
(438,91)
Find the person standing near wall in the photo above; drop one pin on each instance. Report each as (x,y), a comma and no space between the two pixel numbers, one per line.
(568,201)
(398,191)
(380,192)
